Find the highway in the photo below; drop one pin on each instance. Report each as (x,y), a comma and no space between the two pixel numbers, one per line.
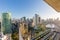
(47,36)
(57,36)
(42,35)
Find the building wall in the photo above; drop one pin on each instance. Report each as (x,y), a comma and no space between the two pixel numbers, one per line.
(36,19)
(6,23)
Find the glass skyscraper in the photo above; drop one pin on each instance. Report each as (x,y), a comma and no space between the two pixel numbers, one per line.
(6,23)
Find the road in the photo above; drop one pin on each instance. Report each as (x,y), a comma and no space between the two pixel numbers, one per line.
(57,36)
(47,36)
(20,36)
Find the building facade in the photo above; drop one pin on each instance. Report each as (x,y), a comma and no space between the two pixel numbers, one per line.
(6,23)
(36,20)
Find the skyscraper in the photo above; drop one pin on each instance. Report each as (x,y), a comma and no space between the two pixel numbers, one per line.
(36,20)
(6,23)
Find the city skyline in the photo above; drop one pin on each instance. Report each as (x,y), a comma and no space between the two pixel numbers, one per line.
(27,8)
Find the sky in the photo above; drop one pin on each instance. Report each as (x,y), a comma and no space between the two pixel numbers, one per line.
(27,8)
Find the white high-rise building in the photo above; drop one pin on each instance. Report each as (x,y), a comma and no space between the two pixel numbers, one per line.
(36,20)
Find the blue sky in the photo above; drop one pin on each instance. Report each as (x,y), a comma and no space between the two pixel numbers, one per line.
(20,8)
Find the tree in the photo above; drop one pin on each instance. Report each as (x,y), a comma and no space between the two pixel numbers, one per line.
(15,32)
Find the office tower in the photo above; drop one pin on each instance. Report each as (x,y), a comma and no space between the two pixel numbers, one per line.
(36,20)
(23,19)
(6,23)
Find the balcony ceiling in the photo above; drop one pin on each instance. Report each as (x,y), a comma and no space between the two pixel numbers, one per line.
(54,4)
